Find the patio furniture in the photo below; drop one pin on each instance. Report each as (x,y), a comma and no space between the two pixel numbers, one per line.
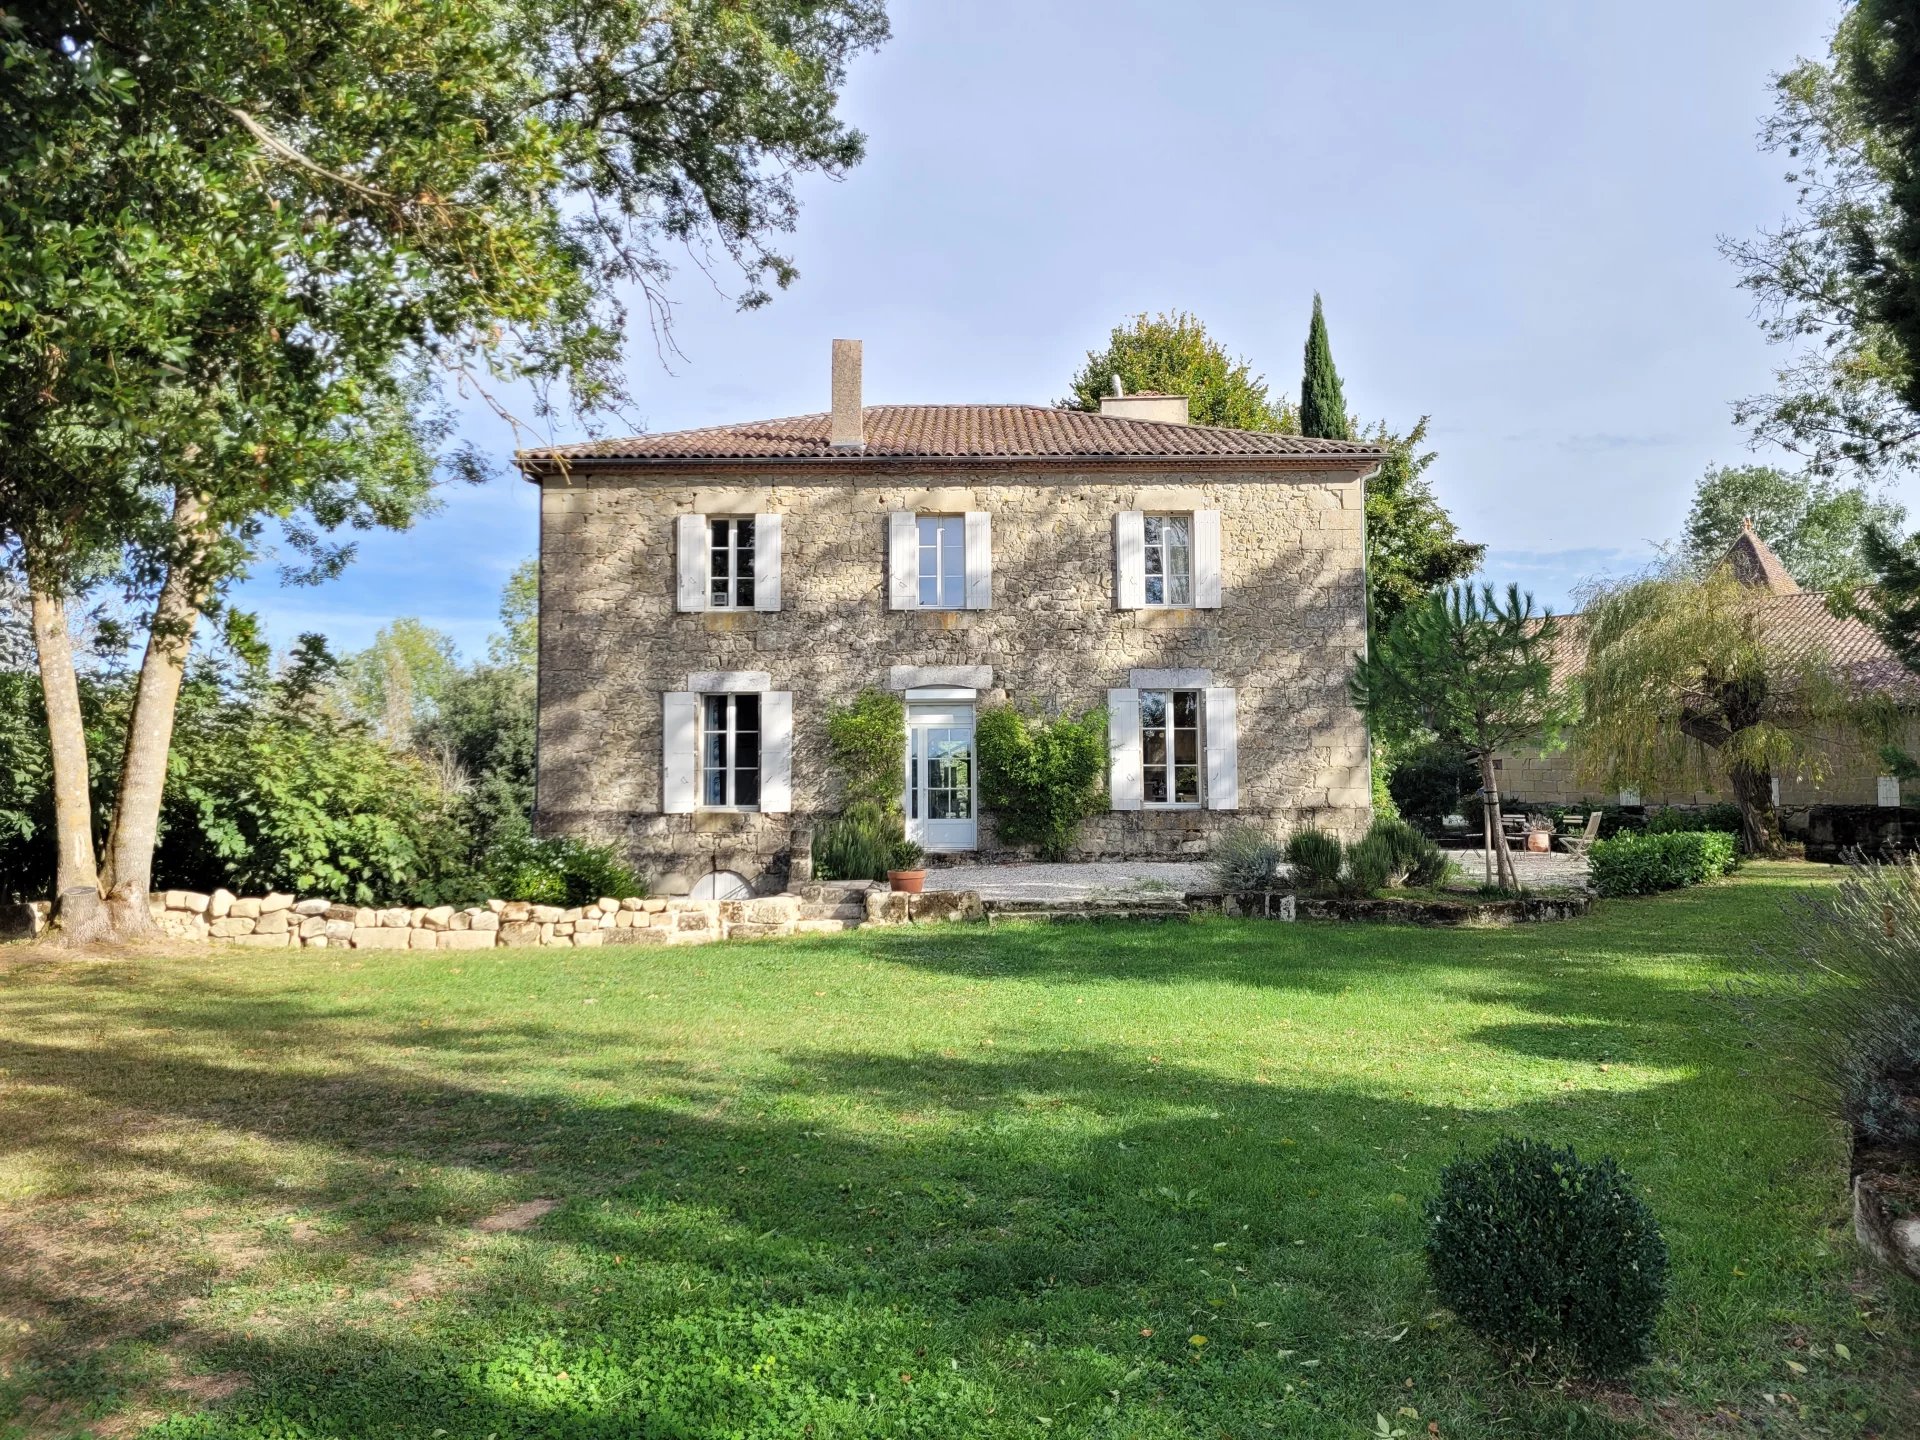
(1579,844)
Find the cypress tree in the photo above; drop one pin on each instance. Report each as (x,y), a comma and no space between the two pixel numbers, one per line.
(1323,409)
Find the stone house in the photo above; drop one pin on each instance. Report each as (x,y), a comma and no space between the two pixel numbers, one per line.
(1800,622)
(709,597)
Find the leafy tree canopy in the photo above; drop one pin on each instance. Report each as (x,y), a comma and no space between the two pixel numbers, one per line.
(1172,353)
(1816,525)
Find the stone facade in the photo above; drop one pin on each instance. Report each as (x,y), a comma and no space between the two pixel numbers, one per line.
(613,640)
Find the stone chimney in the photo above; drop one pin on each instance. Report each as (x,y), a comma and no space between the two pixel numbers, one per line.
(1146,405)
(849,420)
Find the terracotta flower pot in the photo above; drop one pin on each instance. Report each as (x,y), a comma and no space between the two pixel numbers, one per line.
(908,882)
(1539,841)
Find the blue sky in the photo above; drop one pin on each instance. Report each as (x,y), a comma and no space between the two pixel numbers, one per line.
(1511,210)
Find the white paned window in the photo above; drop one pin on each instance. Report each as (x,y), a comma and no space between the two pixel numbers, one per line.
(1170,747)
(730,562)
(1168,552)
(943,562)
(729,777)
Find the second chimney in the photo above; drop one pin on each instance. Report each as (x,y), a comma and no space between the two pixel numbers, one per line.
(849,420)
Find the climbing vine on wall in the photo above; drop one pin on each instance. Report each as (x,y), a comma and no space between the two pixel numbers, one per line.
(867,739)
(1041,776)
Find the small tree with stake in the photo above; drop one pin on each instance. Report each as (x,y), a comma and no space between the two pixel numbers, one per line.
(1473,670)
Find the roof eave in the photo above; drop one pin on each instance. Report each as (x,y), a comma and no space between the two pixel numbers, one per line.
(540,465)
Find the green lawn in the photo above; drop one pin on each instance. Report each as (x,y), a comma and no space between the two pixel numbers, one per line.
(1108,1181)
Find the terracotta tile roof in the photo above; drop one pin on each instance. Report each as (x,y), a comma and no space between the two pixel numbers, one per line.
(965,434)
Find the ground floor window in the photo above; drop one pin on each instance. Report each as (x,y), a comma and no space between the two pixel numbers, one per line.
(1170,746)
(729,752)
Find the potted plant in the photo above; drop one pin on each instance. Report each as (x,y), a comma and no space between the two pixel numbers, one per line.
(906,870)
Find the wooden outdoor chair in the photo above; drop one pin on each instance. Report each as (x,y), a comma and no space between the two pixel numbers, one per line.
(1578,844)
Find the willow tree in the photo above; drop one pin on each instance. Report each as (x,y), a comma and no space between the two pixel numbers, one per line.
(233,233)
(1687,683)
(1474,670)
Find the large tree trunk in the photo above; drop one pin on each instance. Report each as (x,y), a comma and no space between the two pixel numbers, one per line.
(143,778)
(1759,823)
(77,909)
(1497,830)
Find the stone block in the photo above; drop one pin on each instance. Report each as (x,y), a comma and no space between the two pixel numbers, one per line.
(278,941)
(460,920)
(229,927)
(496,906)
(194,903)
(312,925)
(277,922)
(312,907)
(486,920)
(173,899)
(639,935)
(747,930)
(653,906)
(318,942)
(519,932)
(695,919)
(340,932)
(425,939)
(572,914)
(365,917)
(633,902)
(936,906)
(774,910)
(348,913)
(563,929)
(589,937)
(276,901)
(439,917)
(607,906)
(887,907)
(379,937)
(220,904)
(547,914)
(624,920)
(512,911)
(468,939)
(396,917)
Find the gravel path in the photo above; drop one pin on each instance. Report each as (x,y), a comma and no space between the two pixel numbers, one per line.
(1070,882)
(1147,877)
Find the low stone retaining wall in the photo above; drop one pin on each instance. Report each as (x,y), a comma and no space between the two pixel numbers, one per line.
(1274,905)
(278,922)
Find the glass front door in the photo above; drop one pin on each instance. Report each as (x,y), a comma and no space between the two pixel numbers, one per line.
(940,781)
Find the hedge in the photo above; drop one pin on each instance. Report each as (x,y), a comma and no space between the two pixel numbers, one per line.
(1644,864)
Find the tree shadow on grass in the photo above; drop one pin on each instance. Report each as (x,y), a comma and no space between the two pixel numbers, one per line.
(859,1242)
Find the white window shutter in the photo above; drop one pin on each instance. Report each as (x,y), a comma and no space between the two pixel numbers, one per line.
(979,560)
(692,561)
(903,561)
(766,562)
(680,747)
(1223,750)
(776,752)
(1125,782)
(1129,560)
(1206,559)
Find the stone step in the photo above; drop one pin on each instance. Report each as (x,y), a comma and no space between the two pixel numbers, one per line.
(837,892)
(824,927)
(854,910)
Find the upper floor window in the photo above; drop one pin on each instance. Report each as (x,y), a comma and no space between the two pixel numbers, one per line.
(730,563)
(1170,747)
(729,752)
(1168,555)
(943,562)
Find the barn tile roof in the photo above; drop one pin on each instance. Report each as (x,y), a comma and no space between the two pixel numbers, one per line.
(965,434)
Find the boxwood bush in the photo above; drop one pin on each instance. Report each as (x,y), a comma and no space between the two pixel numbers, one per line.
(1537,1249)
(1644,864)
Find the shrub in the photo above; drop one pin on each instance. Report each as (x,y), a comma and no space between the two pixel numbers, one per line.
(1644,864)
(560,871)
(1430,782)
(1245,858)
(1416,859)
(1371,865)
(1533,1247)
(866,740)
(1314,857)
(1041,777)
(1673,820)
(858,845)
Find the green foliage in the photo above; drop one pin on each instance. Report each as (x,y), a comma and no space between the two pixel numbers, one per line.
(396,684)
(1041,777)
(1816,526)
(1315,858)
(1646,863)
(1535,1248)
(1843,997)
(1413,547)
(559,871)
(1371,866)
(1323,406)
(1416,860)
(867,741)
(1431,781)
(1245,858)
(1174,355)
(863,843)
(1722,816)
(517,646)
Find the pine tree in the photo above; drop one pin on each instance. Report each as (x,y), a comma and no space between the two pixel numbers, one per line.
(1323,409)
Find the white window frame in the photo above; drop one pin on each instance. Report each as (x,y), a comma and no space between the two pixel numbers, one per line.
(1150,546)
(1168,766)
(941,550)
(730,766)
(733,550)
